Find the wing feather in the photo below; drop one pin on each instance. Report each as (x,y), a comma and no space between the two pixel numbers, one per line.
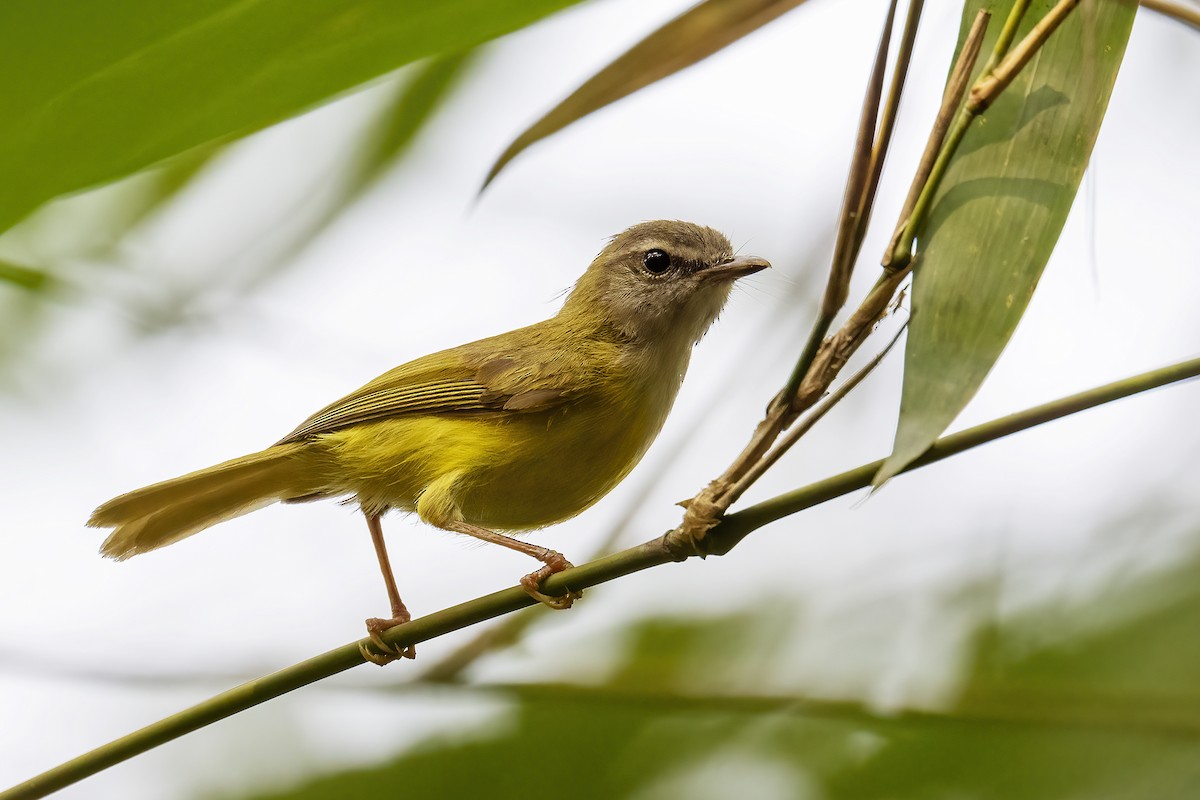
(484,377)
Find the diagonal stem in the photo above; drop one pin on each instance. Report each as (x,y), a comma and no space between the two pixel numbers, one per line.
(960,75)
(866,167)
(983,93)
(825,406)
(653,553)
(1180,13)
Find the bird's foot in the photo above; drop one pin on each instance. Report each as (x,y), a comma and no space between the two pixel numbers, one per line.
(532,583)
(386,653)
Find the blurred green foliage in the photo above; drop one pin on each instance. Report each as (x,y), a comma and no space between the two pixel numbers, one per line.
(411,105)
(59,258)
(111,87)
(1096,701)
(33,280)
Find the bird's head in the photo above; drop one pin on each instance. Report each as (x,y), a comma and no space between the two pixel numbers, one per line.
(661,280)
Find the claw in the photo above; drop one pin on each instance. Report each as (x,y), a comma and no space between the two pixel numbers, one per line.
(374,658)
(532,584)
(560,603)
(387,652)
(375,627)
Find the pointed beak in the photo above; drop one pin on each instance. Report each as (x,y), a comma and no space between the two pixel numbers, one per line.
(735,268)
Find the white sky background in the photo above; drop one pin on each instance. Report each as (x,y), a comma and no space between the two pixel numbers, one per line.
(755,142)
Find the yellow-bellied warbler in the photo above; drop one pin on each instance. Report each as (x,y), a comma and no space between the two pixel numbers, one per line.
(510,433)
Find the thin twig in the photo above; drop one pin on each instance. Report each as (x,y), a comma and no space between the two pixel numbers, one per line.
(711,502)
(838,348)
(741,523)
(861,184)
(850,220)
(812,418)
(956,86)
(705,509)
(983,93)
(890,111)
(1009,32)
(1188,16)
(995,81)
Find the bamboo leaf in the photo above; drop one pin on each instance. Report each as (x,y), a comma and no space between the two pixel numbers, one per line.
(112,86)
(27,278)
(165,182)
(414,103)
(691,37)
(998,214)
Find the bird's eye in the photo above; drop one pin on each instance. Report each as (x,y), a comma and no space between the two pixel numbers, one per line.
(657,261)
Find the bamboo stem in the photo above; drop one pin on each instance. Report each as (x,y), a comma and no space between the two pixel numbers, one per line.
(960,75)
(655,552)
(1179,13)
(871,146)
(985,91)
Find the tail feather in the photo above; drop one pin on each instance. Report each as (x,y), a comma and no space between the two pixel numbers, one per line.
(164,513)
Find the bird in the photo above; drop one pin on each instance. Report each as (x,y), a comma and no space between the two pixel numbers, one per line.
(503,435)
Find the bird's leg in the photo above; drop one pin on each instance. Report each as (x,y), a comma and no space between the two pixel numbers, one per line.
(400,615)
(531,583)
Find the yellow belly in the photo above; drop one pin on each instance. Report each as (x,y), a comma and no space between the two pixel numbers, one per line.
(514,471)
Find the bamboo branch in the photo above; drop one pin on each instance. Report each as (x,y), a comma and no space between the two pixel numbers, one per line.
(837,289)
(951,99)
(996,80)
(655,552)
(820,365)
(866,166)
(983,93)
(1188,16)
(806,424)
(822,358)
(1007,34)
(737,526)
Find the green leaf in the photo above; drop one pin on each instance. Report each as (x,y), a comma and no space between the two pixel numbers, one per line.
(168,180)
(33,280)
(999,211)
(101,89)
(1074,700)
(405,115)
(692,36)
(414,103)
